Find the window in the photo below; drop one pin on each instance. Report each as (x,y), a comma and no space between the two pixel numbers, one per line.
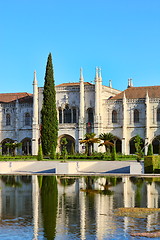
(158,115)
(60,115)
(114,116)
(136,116)
(74,116)
(27,119)
(67,115)
(8,119)
(90,115)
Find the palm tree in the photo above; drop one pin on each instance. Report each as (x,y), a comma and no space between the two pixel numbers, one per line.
(89,140)
(107,138)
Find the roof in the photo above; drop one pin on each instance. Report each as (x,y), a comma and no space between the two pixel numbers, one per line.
(72,84)
(139,92)
(11,97)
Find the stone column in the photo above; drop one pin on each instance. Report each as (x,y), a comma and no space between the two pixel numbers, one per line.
(81,111)
(35,125)
(124,127)
(98,106)
(96,96)
(147,123)
(16,138)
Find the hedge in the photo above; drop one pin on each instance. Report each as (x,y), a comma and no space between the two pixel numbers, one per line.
(152,164)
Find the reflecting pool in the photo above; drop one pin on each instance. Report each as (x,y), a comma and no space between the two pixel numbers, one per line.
(54,207)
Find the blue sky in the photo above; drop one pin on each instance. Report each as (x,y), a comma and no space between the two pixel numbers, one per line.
(120,36)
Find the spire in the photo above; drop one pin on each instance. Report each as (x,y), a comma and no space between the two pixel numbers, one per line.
(96,76)
(35,78)
(124,97)
(110,83)
(147,97)
(81,75)
(99,73)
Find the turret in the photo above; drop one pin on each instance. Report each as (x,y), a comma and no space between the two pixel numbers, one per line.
(96,94)
(35,126)
(81,80)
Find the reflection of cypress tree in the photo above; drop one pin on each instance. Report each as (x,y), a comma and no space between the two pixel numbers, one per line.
(138,194)
(49,200)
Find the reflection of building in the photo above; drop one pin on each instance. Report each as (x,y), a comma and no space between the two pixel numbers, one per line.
(16,197)
(84,107)
(84,208)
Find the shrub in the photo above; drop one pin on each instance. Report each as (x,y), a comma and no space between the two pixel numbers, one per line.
(40,154)
(151,164)
(113,154)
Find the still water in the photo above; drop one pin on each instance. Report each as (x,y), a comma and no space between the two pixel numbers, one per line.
(50,207)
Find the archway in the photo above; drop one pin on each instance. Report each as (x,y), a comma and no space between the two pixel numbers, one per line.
(70,146)
(5,149)
(118,144)
(132,145)
(156,145)
(26,146)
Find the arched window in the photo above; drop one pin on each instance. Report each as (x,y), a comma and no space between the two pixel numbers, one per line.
(114,116)
(27,119)
(158,115)
(26,146)
(74,115)
(67,115)
(136,116)
(90,115)
(8,119)
(60,115)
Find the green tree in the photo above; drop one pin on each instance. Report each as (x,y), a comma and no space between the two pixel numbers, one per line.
(49,130)
(107,138)
(63,147)
(89,141)
(150,150)
(138,143)
(72,149)
(13,146)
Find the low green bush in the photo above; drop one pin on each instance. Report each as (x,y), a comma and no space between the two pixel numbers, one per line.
(152,164)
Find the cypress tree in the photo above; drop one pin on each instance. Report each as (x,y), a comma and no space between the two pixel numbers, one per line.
(49,131)
(113,154)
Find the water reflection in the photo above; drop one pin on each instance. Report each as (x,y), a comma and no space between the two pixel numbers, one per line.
(49,202)
(50,207)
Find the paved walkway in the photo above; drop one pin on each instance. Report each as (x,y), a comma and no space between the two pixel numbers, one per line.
(73,167)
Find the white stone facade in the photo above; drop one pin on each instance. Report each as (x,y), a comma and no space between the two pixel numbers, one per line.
(16,111)
(84,107)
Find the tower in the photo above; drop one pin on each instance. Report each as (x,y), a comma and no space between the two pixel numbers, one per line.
(35,126)
(98,103)
(124,126)
(147,117)
(81,107)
